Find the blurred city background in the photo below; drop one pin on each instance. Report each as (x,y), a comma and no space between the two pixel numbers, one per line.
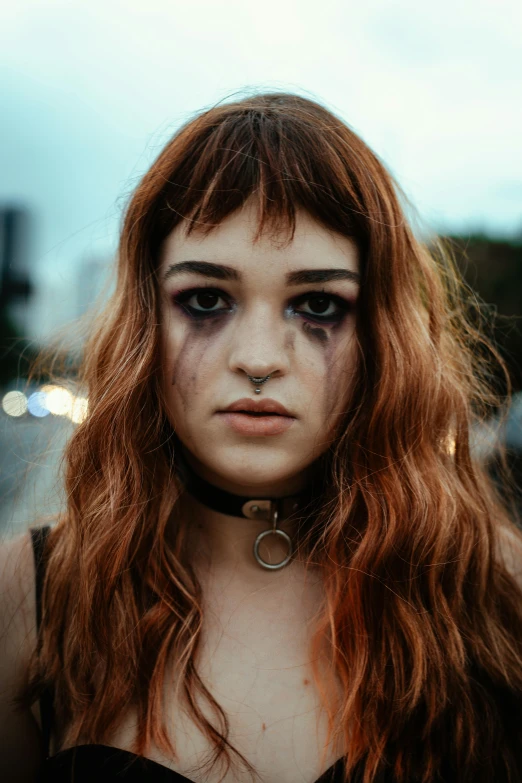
(90,92)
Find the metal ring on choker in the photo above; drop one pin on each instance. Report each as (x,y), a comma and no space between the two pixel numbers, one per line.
(274,530)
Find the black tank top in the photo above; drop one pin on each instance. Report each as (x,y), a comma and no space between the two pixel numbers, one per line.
(106,764)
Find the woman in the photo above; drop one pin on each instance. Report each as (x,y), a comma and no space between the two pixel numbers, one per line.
(278,556)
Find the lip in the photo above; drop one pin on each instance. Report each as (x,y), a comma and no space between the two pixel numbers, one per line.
(266,405)
(245,424)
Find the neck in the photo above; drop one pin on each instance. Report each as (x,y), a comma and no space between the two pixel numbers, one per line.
(221,528)
(190,466)
(224,543)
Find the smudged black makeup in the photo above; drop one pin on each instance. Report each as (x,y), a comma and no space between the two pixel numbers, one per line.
(315,306)
(204,327)
(321,307)
(316,332)
(203,302)
(190,358)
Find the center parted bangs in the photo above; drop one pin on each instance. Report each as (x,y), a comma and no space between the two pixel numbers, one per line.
(286,152)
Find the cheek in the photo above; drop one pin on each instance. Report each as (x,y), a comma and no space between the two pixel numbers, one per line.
(190,352)
(341,370)
(332,367)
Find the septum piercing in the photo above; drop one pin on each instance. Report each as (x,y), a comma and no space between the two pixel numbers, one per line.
(258,382)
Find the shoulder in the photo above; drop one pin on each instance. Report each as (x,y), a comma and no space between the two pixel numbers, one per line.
(509,551)
(17,594)
(19,733)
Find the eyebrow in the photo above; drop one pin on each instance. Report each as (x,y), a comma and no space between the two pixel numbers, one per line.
(222,272)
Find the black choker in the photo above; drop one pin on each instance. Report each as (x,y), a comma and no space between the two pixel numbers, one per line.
(262,508)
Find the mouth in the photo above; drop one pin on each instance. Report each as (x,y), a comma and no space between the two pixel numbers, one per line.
(266,407)
(256,418)
(257,414)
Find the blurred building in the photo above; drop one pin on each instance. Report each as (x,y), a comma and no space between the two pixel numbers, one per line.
(16,284)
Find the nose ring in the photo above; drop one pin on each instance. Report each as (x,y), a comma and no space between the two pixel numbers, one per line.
(257,382)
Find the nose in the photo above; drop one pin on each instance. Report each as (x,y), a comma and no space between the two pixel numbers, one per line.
(257,347)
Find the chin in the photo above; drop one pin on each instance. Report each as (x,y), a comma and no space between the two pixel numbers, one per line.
(249,467)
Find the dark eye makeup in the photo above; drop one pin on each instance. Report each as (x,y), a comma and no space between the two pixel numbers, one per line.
(317,306)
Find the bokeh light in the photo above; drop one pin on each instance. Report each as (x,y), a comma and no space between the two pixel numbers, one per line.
(79,410)
(14,403)
(50,398)
(58,400)
(37,404)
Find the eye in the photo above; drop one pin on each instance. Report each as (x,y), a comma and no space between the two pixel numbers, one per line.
(204,300)
(200,302)
(322,307)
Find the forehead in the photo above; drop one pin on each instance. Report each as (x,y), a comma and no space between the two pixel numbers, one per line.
(232,243)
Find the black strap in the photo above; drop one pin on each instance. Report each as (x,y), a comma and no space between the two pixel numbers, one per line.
(216,498)
(38,538)
(228,503)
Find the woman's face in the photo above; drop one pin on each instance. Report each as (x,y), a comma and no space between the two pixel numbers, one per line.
(230,309)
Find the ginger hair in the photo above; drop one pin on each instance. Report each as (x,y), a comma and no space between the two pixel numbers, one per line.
(421,617)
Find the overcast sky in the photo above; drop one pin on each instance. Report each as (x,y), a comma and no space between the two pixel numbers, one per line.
(91,89)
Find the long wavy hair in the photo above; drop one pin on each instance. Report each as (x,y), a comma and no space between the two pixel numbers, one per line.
(421,617)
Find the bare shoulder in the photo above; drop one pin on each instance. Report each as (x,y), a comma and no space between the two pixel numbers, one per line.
(509,551)
(19,734)
(17,591)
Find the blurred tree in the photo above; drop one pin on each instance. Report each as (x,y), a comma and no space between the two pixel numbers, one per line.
(493,268)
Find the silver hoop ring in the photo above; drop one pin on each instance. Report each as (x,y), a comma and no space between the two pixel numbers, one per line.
(277,532)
